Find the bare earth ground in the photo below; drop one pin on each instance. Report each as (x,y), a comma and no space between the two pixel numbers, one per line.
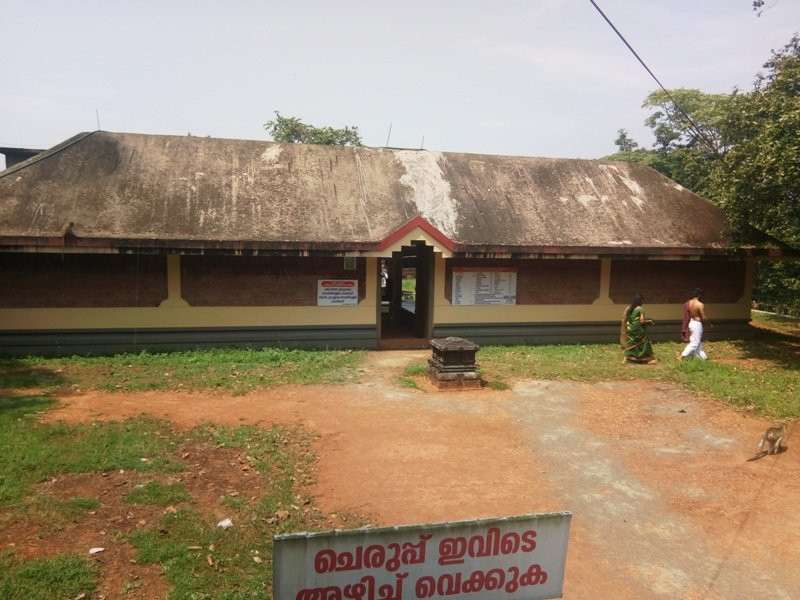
(664,502)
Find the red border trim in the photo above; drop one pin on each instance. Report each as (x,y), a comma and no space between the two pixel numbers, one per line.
(417,222)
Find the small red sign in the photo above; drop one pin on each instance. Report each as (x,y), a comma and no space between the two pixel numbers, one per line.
(334,283)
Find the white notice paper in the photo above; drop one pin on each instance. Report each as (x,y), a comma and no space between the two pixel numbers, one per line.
(337,292)
(479,285)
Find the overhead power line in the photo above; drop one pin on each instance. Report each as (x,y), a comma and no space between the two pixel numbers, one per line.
(695,128)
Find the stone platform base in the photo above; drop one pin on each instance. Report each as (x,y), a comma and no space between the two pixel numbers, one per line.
(469,380)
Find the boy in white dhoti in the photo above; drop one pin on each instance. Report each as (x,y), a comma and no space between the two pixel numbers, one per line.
(697,316)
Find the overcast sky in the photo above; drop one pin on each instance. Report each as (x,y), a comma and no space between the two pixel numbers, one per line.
(528,77)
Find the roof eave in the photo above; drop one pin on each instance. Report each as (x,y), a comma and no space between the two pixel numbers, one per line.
(70,243)
(76,244)
(624,252)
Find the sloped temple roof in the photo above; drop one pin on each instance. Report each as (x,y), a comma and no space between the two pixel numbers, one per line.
(116,190)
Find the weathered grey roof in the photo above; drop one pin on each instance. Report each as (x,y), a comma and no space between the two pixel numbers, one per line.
(171,190)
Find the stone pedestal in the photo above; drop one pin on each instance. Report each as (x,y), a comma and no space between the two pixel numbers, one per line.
(452,365)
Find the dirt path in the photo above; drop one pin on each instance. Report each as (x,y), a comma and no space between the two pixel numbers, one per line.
(664,503)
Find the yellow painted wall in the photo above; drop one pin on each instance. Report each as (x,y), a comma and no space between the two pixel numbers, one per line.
(174,312)
(446,313)
(601,310)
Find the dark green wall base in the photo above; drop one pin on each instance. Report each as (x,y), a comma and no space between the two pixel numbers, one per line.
(572,333)
(114,341)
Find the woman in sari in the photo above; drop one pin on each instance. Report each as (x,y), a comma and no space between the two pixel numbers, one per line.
(633,333)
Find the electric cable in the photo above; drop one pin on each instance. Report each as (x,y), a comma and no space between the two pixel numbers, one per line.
(695,128)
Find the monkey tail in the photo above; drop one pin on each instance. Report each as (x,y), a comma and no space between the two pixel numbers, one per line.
(757,456)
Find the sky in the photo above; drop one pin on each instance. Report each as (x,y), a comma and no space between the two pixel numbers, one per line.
(517,77)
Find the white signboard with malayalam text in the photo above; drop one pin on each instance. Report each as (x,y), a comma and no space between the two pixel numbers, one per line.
(337,292)
(510,558)
(479,285)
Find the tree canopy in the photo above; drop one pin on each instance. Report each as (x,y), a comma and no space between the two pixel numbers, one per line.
(740,150)
(294,131)
(758,183)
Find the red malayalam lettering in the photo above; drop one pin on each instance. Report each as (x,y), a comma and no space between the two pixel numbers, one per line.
(372,557)
(327,593)
(365,589)
(452,584)
(453,550)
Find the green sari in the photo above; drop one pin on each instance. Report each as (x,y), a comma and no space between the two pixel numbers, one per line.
(635,343)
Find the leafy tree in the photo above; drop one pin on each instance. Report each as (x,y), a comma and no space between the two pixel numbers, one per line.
(689,118)
(758,185)
(688,166)
(759,6)
(758,182)
(294,131)
(742,151)
(777,286)
(690,138)
(624,143)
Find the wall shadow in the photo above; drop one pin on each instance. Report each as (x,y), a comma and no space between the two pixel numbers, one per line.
(769,344)
(16,374)
(23,406)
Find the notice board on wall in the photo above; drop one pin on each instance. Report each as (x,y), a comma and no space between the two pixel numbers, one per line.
(337,292)
(479,285)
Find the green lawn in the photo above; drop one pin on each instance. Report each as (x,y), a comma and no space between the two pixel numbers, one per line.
(225,564)
(781,324)
(60,576)
(761,374)
(232,370)
(199,559)
(409,287)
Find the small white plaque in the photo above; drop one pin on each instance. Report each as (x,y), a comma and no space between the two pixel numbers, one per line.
(337,292)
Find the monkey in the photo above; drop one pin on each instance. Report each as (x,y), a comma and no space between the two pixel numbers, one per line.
(68,230)
(772,440)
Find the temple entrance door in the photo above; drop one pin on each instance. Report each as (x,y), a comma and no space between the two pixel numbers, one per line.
(406,294)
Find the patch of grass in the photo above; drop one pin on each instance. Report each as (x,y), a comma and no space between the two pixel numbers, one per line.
(233,563)
(20,374)
(32,452)
(408,383)
(280,454)
(414,370)
(43,510)
(235,503)
(61,576)
(739,374)
(129,586)
(202,560)
(232,370)
(406,380)
(158,494)
(781,324)
(761,374)
(580,362)
(84,503)
(55,513)
(15,408)
(496,384)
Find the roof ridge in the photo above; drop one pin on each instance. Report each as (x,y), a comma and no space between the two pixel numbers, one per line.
(47,153)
